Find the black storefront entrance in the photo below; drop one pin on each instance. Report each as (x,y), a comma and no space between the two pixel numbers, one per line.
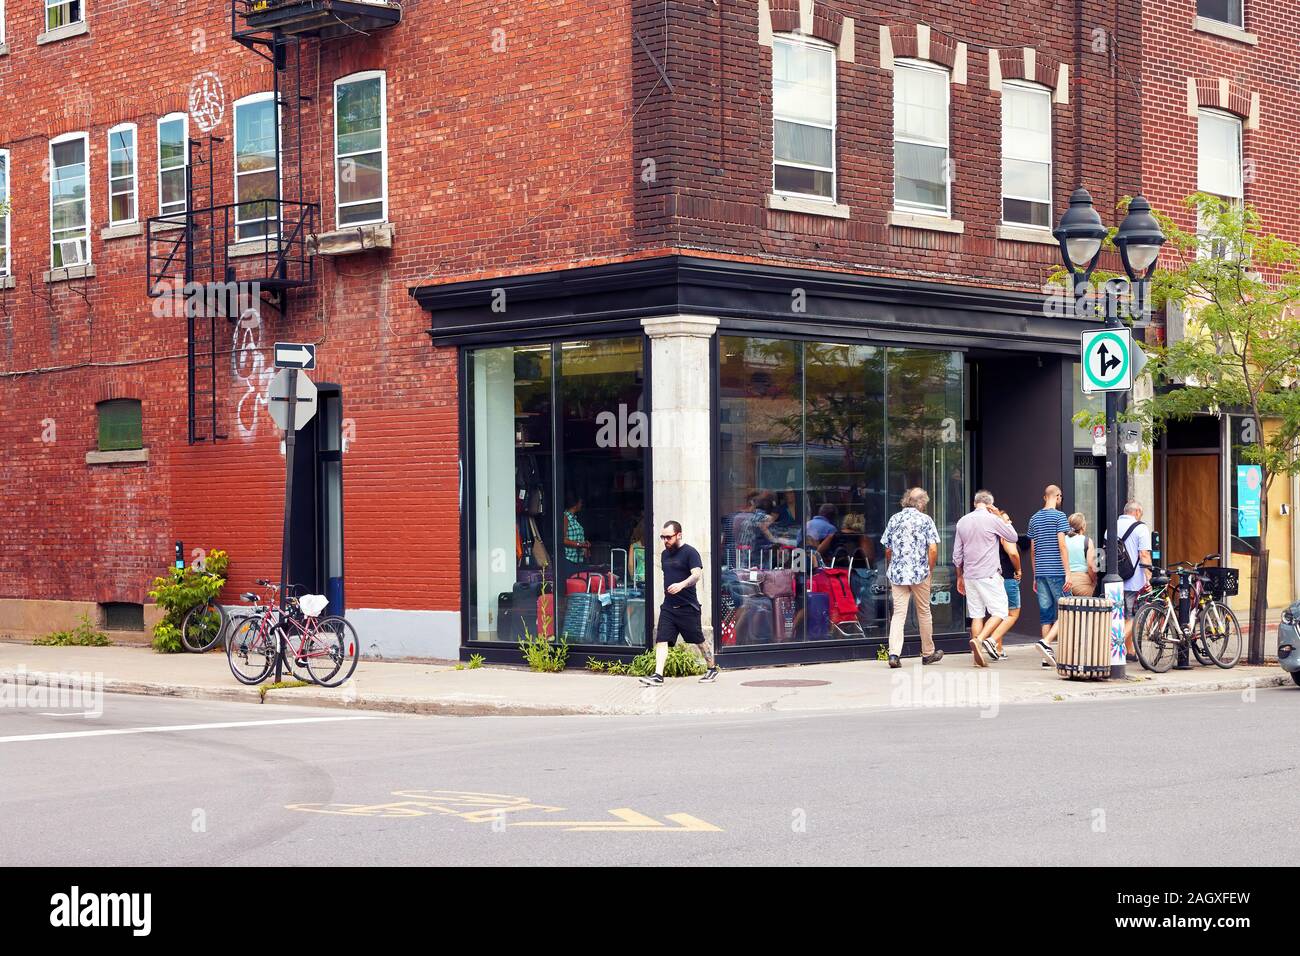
(829,393)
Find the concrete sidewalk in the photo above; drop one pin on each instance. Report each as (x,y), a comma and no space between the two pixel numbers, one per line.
(440,689)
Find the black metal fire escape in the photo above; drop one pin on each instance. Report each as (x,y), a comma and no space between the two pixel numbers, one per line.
(193,249)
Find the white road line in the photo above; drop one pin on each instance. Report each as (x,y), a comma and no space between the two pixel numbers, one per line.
(179,727)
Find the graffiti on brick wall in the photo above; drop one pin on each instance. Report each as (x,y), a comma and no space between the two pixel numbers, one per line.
(252,374)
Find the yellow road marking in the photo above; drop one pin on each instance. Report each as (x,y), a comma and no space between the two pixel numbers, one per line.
(629,820)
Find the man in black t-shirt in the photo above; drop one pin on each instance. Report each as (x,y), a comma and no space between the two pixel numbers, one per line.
(680,613)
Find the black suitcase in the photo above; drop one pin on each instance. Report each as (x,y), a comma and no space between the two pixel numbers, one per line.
(510,623)
(757,621)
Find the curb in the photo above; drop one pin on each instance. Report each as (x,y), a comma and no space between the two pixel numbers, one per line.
(461,707)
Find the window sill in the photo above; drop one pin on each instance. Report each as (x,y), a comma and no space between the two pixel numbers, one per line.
(912,220)
(123,231)
(253,247)
(351,239)
(1225,30)
(157,227)
(7,282)
(130,456)
(1043,237)
(71,272)
(4,49)
(63,33)
(808,206)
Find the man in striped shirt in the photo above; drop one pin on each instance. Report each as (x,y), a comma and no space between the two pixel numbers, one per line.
(1048,560)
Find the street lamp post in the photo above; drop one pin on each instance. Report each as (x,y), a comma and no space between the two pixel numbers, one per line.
(1080,235)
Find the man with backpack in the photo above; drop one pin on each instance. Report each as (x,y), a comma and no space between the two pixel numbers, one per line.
(1133,561)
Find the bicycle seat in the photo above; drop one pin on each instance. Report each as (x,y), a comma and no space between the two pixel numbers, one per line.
(313,604)
(250,597)
(1159,580)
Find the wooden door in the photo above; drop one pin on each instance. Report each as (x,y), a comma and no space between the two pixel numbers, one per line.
(1194,508)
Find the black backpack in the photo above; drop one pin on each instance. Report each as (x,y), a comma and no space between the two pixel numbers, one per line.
(1124,562)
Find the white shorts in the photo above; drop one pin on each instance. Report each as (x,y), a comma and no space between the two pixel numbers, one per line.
(986,597)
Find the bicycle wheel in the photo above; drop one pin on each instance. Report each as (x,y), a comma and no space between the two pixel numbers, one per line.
(202,627)
(1221,634)
(1198,645)
(250,652)
(1154,639)
(314,657)
(341,638)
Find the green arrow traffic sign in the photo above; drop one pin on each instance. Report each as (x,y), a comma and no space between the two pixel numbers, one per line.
(1107,359)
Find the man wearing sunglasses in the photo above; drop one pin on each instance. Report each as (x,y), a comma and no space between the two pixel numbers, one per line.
(680,613)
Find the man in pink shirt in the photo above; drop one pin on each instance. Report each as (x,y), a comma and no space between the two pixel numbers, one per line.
(979,570)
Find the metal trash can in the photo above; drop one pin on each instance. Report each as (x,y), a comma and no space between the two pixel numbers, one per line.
(1083,638)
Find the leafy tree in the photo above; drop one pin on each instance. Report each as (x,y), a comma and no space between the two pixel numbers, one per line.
(1239,288)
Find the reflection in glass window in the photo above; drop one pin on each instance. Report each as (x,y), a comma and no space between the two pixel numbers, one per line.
(1026,155)
(817,441)
(4,212)
(121,175)
(173,154)
(69,207)
(359,146)
(255,167)
(921,138)
(559,485)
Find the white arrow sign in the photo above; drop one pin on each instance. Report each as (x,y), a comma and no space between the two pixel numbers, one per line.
(295,355)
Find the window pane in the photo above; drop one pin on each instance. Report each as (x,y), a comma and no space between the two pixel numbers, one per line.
(1027,124)
(1026,212)
(68,215)
(925,448)
(255,135)
(604,428)
(120,425)
(802,83)
(171,144)
(796,179)
(1026,180)
(358,112)
(122,208)
(121,154)
(364,212)
(760,485)
(1219,155)
(361,177)
(921,104)
(1226,11)
(811,145)
(172,183)
(919,175)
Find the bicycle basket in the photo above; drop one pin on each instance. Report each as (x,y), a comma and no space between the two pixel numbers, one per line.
(1222,582)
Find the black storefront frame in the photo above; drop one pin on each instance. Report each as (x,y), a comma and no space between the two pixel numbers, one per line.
(801,652)
(748,298)
(505,652)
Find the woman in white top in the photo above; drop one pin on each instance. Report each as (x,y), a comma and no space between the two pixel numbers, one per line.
(1081,575)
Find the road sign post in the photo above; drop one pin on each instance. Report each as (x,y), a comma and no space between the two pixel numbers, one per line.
(292,404)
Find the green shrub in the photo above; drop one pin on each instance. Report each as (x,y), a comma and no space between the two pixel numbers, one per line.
(882,652)
(681,662)
(181,589)
(543,655)
(83,635)
(595,665)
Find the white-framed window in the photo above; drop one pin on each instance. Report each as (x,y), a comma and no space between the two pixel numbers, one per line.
(173,157)
(69,201)
(1026,155)
(922,177)
(1218,165)
(1225,11)
(123,182)
(256,215)
(2,21)
(4,212)
(63,13)
(360,149)
(803,118)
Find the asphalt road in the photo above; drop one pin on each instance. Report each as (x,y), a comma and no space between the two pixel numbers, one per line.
(1207,780)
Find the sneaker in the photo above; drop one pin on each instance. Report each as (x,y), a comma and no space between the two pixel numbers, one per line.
(654,680)
(977,653)
(894,661)
(934,658)
(990,650)
(709,676)
(1046,650)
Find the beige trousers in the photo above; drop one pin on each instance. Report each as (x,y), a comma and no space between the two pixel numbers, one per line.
(903,593)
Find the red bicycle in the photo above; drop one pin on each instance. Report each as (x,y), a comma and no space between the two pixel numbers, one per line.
(322,650)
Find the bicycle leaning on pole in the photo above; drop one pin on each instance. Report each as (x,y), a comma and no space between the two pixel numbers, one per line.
(322,650)
(1192,613)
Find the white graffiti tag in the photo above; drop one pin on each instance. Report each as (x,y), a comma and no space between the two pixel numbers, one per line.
(248,365)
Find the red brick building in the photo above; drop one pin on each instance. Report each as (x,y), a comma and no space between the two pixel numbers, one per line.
(574,269)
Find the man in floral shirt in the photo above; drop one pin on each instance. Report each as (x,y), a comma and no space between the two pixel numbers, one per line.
(911,543)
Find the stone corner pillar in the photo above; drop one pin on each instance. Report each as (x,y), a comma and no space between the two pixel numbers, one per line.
(681,376)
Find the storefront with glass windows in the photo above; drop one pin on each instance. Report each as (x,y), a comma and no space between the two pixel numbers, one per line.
(614,398)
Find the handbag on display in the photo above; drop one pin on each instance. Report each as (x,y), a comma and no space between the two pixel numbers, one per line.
(540,554)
